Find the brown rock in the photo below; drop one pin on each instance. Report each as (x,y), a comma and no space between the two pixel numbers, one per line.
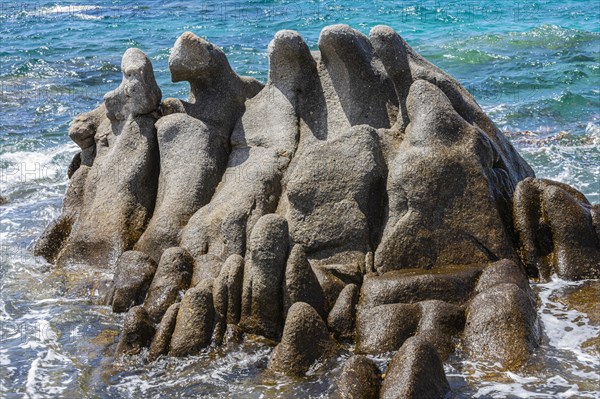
(341,318)
(137,332)
(162,339)
(133,275)
(451,284)
(384,328)
(173,274)
(262,298)
(359,379)
(502,326)
(415,371)
(305,339)
(301,283)
(555,224)
(227,295)
(195,321)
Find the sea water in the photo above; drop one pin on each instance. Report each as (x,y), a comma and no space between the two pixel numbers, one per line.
(534,66)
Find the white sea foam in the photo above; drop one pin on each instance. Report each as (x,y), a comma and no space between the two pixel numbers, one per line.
(28,166)
(87,17)
(69,9)
(42,379)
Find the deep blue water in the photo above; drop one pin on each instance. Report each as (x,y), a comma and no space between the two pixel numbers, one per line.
(533,65)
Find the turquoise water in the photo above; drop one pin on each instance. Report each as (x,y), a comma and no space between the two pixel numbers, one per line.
(533,65)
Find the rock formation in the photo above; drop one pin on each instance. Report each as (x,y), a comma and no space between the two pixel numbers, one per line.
(359,195)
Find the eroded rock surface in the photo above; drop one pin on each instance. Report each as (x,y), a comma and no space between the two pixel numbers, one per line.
(361,193)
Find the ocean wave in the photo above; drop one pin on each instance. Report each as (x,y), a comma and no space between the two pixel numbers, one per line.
(38,167)
(68,9)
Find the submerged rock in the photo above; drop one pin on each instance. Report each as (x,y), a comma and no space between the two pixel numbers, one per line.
(558,230)
(502,325)
(195,321)
(137,333)
(416,371)
(305,339)
(359,379)
(133,276)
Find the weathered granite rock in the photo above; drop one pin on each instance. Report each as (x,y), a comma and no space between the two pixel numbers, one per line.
(341,317)
(195,321)
(359,379)
(192,160)
(451,284)
(595,213)
(336,198)
(162,339)
(502,325)
(194,143)
(134,273)
(384,328)
(83,132)
(137,333)
(119,191)
(173,275)
(557,231)
(448,191)
(227,295)
(415,371)
(262,145)
(332,283)
(503,271)
(440,322)
(262,297)
(52,239)
(301,283)
(305,339)
(379,171)
(74,165)
(404,65)
(56,234)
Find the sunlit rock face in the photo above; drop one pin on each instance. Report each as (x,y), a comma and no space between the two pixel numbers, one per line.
(359,196)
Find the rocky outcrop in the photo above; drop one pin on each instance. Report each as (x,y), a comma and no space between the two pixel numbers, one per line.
(558,230)
(415,371)
(359,379)
(360,193)
(195,321)
(173,275)
(301,283)
(193,137)
(137,333)
(305,339)
(227,295)
(162,339)
(341,317)
(115,197)
(134,273)
(502,325)
(262,296)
